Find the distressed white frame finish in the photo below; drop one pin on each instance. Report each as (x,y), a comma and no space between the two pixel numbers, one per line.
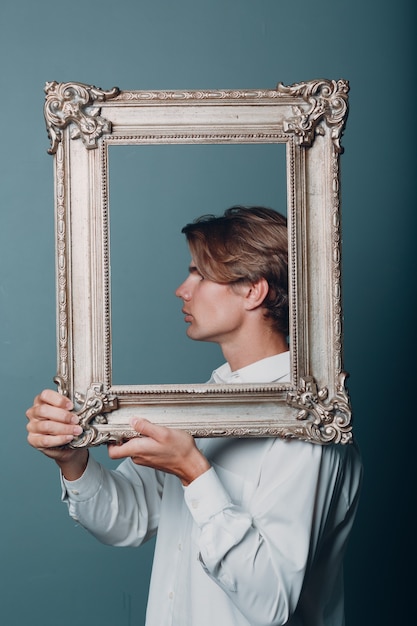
(309,117)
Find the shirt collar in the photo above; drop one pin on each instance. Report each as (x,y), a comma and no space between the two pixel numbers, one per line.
(273,369)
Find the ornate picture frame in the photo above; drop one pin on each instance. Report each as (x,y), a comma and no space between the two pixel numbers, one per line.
(309,118)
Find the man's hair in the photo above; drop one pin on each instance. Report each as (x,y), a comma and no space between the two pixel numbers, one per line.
(244,245)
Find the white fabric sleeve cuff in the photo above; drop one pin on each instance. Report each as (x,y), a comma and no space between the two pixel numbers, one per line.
(206,496)
(86,486)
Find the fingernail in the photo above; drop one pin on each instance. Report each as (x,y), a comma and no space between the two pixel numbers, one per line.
(77,430)
(75,419)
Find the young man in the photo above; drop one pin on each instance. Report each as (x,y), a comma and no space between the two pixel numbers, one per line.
(251,532)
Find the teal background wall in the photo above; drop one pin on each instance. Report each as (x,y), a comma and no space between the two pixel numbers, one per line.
(52,573)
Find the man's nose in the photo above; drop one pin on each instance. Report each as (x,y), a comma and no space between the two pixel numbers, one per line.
(182,291)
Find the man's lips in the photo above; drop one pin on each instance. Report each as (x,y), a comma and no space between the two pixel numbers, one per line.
(187,316)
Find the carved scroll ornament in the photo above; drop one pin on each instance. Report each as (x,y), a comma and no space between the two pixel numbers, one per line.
(328,100)
(96,404)
(74,102)
(331,418)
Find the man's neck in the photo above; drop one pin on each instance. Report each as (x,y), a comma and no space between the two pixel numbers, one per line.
(255,350)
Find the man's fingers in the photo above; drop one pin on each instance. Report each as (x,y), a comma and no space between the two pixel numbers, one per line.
(148,429)
(49,396)
(51,413)
(45,411)
(49,427)
(45,442)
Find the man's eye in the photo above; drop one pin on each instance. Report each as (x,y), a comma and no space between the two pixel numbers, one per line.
(194,272)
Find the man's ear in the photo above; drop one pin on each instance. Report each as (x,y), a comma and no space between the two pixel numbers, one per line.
(256,293)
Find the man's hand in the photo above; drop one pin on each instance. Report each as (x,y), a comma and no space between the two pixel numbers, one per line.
(51,427)
(166,449)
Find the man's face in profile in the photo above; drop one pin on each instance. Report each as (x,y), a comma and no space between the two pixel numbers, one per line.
(213,311)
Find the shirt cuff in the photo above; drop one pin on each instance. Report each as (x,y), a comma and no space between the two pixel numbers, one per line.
(84,487)
(206,497)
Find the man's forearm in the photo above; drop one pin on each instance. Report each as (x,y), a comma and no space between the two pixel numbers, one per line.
(74,467)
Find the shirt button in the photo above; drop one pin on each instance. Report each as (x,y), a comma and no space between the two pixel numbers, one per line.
(179,547)
(75,492)
(194,504)
(171,595)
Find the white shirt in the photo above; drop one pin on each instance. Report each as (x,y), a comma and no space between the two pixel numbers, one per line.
(258,540)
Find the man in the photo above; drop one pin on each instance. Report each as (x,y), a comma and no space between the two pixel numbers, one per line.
(251,532)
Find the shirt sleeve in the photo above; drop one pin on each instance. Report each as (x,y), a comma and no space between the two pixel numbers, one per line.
(259,554)
(119,507)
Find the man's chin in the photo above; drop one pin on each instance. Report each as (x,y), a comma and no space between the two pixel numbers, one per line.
(193,334)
